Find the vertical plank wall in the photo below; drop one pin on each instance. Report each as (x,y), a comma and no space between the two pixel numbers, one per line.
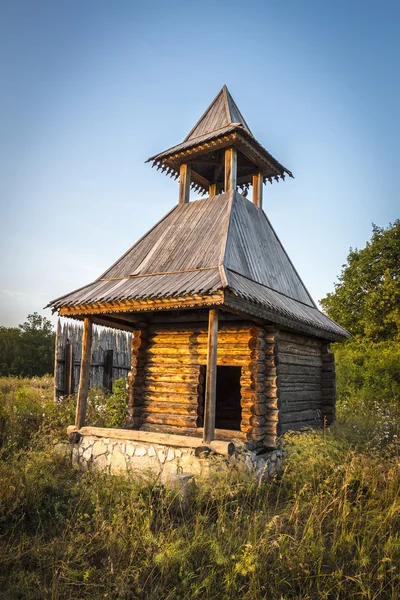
(69,339)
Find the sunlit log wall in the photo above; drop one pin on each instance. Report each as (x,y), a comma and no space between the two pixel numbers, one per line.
(166,382)
(287,380)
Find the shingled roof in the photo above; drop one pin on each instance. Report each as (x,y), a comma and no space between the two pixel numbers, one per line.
(223,244)
(221,124)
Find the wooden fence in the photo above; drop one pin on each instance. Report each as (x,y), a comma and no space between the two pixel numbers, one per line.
(110,360)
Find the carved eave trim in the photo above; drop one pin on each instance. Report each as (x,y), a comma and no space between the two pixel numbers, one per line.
(152,305)
(269,167)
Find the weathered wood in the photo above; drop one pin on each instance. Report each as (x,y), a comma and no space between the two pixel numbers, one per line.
(178,441)
(296,396)
(257,195)
(211,377)
(84,375)
(303,415)
(171,419)
(230,169)
(170,397)
(212,189)
(299,349)
(299,339)
(307,361)
(69,370)
(184,183)
(175,408)
(224,448)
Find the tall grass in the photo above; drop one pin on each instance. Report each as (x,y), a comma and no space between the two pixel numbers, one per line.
(328,527)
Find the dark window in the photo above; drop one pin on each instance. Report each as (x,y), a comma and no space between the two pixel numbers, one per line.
(228,409)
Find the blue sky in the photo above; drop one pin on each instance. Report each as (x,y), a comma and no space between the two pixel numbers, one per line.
(89,90)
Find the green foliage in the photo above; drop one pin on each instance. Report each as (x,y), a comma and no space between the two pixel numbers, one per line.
(327,527)
(366,301)
(368,388)
(30,417)
(27,350)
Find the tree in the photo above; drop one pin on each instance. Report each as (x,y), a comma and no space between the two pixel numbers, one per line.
(366,300)
(27,350)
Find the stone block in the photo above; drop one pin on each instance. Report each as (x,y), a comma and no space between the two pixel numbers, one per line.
(140,451)
(117,462)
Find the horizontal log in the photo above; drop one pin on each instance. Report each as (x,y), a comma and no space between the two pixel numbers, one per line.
(328,376)
(169,397)
(297,396)
(285,427)
(237,360)
(328,358)
(290,369)
(221,447)
(168,370)
(328,367)
(261,344)
(167,377)
(194,328)
(303,415)
(162,387)
(170,419)
(299,339)
(196,349)
(299,349)
(328,384)
(297,378)
(252,386)
(176,409)
(199,341)
(291,359)
(300,387)
(220,434)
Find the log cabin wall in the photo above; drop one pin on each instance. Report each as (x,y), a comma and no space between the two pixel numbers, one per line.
(167,379)
(300,375)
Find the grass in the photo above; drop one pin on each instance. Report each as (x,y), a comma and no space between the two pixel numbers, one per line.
(327,528)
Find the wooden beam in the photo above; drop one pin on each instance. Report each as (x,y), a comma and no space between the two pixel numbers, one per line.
(149,437)
(184,183)
(212,189)
(211,377)
(230,169)
(257,189)
(84,375)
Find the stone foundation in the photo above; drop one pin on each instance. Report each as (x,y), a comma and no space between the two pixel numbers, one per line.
(137,458)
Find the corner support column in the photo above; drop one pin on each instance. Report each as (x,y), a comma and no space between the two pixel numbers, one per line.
(258,189)
(84,374)
(211,377)
(184,183)
(230,169)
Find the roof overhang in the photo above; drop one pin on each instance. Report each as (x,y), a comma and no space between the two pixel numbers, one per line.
(195,149)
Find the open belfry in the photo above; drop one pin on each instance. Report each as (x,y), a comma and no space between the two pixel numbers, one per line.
(227,342)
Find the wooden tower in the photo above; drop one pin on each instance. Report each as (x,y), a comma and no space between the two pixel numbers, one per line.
(228,343)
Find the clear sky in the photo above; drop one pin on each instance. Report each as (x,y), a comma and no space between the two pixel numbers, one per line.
(90,89)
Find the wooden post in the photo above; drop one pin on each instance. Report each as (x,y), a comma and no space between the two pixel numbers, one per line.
(230,169)
(211,377)
(212,189)
(184,183)
(257,189)
(84,374)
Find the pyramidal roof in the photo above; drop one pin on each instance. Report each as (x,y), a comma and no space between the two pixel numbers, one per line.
(221,125)
(224,243)
(222,112)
